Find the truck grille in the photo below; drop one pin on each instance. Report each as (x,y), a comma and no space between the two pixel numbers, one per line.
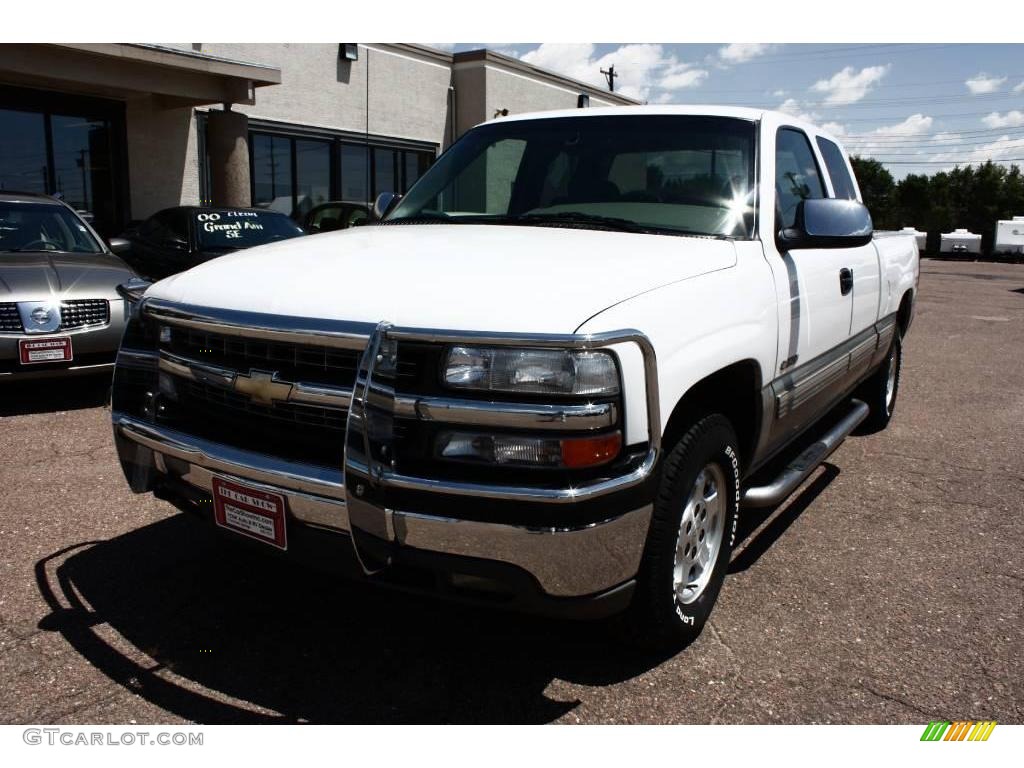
(10,320)
(293,362)
(79,313)
(296,431)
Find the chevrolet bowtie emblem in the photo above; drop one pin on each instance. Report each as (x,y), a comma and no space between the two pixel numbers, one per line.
(263,387)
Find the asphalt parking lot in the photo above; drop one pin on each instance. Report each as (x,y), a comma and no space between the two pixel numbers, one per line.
(889,590)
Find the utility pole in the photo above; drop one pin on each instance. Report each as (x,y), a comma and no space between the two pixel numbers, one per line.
(610,75)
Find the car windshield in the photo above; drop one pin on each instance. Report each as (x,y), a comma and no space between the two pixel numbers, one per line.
(666,174)
(43,227)
(242,229)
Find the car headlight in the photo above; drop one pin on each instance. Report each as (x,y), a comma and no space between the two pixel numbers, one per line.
(532,371)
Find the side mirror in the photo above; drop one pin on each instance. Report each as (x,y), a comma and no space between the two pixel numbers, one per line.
(384,203)
(119,245)
(828,223)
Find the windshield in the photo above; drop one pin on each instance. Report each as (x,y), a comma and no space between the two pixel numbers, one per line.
(43,227)
(242,229)
(669,174)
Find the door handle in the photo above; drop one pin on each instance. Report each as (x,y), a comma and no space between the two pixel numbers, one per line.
(845,280)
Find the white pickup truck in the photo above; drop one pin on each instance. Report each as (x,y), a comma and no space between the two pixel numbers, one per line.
(550,378)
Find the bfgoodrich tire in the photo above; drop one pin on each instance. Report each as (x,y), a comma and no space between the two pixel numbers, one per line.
(692,533)
(881,389)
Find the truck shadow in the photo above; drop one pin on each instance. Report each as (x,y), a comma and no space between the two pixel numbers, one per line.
(229,637)
(215,635)
(758,529)
(49,395)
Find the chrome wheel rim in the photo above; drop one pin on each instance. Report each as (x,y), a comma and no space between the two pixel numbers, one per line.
(701,531)
(890,382)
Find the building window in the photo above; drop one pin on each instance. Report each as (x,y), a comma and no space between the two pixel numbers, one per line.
(271,158)
(312,175)
(355,173)
(384,176)
(69,154)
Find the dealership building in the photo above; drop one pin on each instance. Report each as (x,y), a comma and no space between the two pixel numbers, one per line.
(124,130)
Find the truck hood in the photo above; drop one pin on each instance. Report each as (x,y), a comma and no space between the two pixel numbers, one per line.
(457,277)
(36,276)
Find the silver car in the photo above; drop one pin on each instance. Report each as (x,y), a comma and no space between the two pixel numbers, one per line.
(60,311)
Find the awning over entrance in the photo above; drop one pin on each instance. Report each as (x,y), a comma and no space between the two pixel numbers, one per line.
(175,77)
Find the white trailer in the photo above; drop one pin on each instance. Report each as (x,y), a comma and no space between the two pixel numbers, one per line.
(1009,236)
(960,241)
(920,237)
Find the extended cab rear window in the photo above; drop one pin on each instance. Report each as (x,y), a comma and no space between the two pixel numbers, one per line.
(241,229)
(835,164)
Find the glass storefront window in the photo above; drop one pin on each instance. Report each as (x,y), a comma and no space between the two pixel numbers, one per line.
(355,174)
(272,173)
(81,163)
(23,164)
(312,175)
(384,171)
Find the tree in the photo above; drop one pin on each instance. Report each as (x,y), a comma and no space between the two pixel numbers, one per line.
(877,190)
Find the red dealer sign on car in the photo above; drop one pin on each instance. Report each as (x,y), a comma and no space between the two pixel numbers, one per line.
(45,350)
(252,512)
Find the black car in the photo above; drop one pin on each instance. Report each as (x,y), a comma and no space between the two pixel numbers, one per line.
(328,217)
(176,239)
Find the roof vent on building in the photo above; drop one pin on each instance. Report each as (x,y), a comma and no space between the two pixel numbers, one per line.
(348,51)
(582,101)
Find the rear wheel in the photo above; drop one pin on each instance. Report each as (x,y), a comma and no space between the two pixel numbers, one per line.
(692,532)
(880,391)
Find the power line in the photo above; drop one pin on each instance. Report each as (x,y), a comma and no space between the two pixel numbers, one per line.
(952,162)
(961,81)
(858,50)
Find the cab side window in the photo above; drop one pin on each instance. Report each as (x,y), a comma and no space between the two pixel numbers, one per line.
(835,164)
(796,174)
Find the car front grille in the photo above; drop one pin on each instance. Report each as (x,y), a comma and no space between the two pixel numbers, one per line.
(79,313)
(10,320)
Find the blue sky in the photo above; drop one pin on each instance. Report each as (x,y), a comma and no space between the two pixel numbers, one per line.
(917,107)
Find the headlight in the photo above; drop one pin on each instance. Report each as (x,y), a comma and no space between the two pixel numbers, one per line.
(523,451)
(532,371)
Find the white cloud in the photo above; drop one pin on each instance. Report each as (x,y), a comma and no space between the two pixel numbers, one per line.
(870,143)
(1012,119)
(443,46)
(1019,87)
(646,71)
(740,53)
(779,93)
(999,151)
(793,107)
(848,85)
(982,83)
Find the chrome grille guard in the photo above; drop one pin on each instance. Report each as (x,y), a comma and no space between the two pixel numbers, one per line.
(369,436)
(368,468)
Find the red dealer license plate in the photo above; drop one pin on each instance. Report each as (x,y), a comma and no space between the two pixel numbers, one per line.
(52,350)
(251,512)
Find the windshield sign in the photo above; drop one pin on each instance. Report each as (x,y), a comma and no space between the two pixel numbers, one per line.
(242,229)
(662,174)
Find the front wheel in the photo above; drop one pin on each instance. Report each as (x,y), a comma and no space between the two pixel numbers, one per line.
(881,389)
(693,529)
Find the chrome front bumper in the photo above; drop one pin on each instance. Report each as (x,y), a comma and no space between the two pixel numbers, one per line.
(565,562)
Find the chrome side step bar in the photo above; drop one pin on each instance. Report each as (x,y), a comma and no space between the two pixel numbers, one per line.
(803,465)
